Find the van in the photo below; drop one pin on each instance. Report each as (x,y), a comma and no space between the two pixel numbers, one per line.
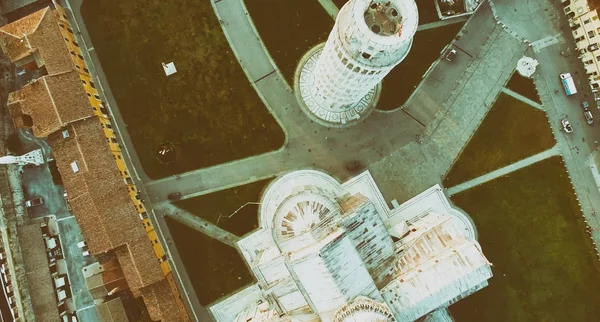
(568,84)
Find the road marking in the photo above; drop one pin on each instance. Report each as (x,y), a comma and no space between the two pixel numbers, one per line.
(545,42)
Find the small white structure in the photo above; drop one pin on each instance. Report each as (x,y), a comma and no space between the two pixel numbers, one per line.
(34,157)
(338,83)
(335,252)
(169,68)
(526,66)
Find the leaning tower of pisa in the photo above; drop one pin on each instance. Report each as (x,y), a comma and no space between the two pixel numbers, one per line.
(338,83)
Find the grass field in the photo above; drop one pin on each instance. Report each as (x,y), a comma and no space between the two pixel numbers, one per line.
(523,86)
(208,109)
(511,131)
(214,268)
(530,227)
(226,202)
(289,28)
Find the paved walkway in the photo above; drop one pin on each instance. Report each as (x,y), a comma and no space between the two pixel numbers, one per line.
(504,171)
(330,7)
(522,98)
(202,225)
(491,54)
(442,23)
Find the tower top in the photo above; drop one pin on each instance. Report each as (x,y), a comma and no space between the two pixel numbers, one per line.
(383,18)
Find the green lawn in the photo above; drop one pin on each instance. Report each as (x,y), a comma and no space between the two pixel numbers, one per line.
(523,86)
(289,28)
(214,268)
(401,82)
(511,131)
(208,109)
(225,203)
(530,227)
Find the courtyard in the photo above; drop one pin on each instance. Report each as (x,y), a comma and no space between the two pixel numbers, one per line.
(531,228)
(208,109)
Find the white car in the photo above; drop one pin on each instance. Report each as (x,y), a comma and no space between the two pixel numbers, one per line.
(566,125)
(588,117)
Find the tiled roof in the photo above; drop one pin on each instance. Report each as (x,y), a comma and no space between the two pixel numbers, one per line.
(139,264)
(112,311)
(97,192)
(36,267)
(51,102)
(37,32)
(100,201)
(160,302)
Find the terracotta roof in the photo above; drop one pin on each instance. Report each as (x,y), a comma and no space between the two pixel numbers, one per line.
(112,311)
(161,303)
(35,262)
(51,102)
(37,32)
(97,192)
(139,264)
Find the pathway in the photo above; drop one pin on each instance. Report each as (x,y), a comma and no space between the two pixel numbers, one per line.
(522,98)
(504,171)
(202,225)
(442,23)
(330,7)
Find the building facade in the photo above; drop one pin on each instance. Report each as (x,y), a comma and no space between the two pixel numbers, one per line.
(334,252)
(585,27)
(337,82)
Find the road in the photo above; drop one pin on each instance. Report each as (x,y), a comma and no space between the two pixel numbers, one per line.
(550,35)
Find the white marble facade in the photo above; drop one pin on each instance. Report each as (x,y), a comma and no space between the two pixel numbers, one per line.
(327,251)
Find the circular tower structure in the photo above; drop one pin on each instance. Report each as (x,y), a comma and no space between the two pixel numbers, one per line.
(338,82)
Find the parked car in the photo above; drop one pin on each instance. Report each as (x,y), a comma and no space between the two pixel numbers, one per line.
(566,125)
(585,105)
(34,202)
(588,117)
(174,196)
(82,244)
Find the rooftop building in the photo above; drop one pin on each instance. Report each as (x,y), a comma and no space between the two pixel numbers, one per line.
(335,252)
(64,106)
(585,27)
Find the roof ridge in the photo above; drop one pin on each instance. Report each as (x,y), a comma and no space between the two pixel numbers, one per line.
(41,18)
(52,100)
